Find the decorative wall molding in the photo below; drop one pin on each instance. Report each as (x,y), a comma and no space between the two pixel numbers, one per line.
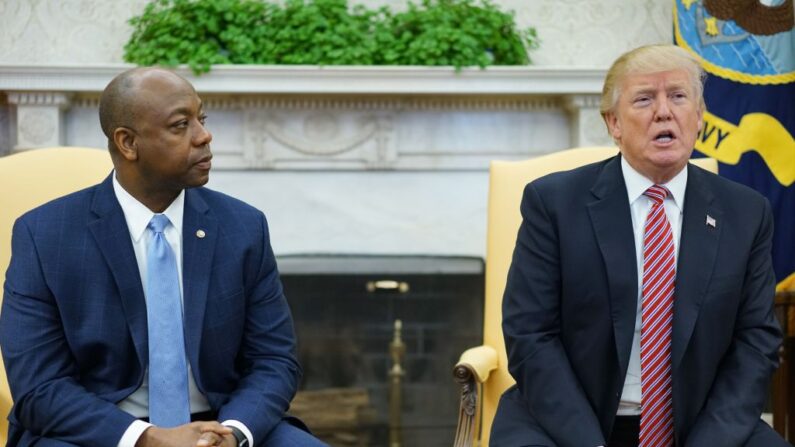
(39,117)
(337,118)
(318,138)
(588,127)
(392,80)
(394,102)
(54,99)
(577,102)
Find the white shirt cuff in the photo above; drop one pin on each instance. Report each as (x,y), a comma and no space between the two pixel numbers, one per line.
(133,432)
(242,427)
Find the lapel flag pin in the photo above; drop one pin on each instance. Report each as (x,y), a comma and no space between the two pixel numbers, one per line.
(710,221)
(200,234)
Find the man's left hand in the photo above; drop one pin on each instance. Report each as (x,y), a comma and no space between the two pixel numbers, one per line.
(213,436)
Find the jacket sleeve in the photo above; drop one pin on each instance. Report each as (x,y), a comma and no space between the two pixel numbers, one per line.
(531,327)
(270,370)
(43,376)
(740,387)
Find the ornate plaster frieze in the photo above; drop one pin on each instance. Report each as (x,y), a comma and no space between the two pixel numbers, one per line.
(39,117)
(39,98)
(394,103)
(318,138)
(86,100)
(574,103)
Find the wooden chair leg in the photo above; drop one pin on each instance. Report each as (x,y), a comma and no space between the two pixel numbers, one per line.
(779,397)
(783,385)
(465,432)
(788,376)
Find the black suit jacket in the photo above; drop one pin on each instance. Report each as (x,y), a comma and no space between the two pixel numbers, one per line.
(570,306)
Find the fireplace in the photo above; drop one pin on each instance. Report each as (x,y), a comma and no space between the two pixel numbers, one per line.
(345,308)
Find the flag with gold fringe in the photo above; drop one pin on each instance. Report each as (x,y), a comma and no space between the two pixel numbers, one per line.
(747,48)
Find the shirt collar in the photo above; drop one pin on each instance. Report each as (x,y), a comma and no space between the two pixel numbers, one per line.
(637,184)
(138,215)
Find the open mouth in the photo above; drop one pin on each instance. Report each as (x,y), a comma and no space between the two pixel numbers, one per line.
(664,137)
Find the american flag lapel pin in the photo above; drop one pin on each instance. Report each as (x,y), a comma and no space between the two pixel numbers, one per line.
(711,221)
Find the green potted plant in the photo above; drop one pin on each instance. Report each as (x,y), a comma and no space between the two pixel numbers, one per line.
(201,33)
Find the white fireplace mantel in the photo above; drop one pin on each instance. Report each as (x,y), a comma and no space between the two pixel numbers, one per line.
(336,117)
(274,79)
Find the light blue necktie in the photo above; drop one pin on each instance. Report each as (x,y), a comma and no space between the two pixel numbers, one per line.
(168,372)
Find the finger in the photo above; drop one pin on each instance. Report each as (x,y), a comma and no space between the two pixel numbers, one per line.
(208,439)
(215,427)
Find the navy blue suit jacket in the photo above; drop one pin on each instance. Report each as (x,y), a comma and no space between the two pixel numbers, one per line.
(73,327)
(570,305)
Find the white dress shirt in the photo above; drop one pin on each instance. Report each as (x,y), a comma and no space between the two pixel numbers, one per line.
(138,216)
(640,205)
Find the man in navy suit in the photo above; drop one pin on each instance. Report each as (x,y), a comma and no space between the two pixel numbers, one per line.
(639,305)
(74,326)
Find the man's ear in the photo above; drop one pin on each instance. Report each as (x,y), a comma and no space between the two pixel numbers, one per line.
(613,125)
(700,117)
(126,142)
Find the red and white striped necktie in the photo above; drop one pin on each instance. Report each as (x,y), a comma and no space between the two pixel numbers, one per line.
(659,271)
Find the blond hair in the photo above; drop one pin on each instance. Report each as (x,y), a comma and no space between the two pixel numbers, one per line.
(651,59)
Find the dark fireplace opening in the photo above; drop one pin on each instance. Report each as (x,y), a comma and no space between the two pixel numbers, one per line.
(345,308)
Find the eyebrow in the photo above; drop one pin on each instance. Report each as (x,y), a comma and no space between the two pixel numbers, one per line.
(646,89)
(185,111)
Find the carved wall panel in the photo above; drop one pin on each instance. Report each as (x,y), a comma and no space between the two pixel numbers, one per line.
(323,138)
(39,118)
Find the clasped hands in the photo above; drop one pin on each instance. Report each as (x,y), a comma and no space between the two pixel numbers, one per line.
(195,434)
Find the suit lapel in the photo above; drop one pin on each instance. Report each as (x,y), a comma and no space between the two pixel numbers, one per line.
(199,236)
(698,247)
(110,231)
(612,223)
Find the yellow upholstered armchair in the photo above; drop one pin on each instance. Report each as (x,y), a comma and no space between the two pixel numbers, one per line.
(483,371)
(29,179)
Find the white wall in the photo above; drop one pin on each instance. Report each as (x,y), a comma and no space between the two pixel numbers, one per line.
(573,32)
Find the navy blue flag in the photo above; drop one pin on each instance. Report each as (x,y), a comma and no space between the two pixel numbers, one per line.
(748,52)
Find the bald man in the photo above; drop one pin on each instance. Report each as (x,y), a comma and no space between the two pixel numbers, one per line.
(147,310)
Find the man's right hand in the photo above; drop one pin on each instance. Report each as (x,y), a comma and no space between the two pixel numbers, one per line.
(183,436)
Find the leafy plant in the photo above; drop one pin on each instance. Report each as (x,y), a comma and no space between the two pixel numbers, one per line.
(323,32)
(326,32)
(459,33)
(197,33)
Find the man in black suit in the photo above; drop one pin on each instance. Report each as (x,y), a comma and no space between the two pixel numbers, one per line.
(639,304)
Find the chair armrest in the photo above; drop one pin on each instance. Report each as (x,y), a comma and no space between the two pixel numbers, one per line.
(479,361)
(472,369)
